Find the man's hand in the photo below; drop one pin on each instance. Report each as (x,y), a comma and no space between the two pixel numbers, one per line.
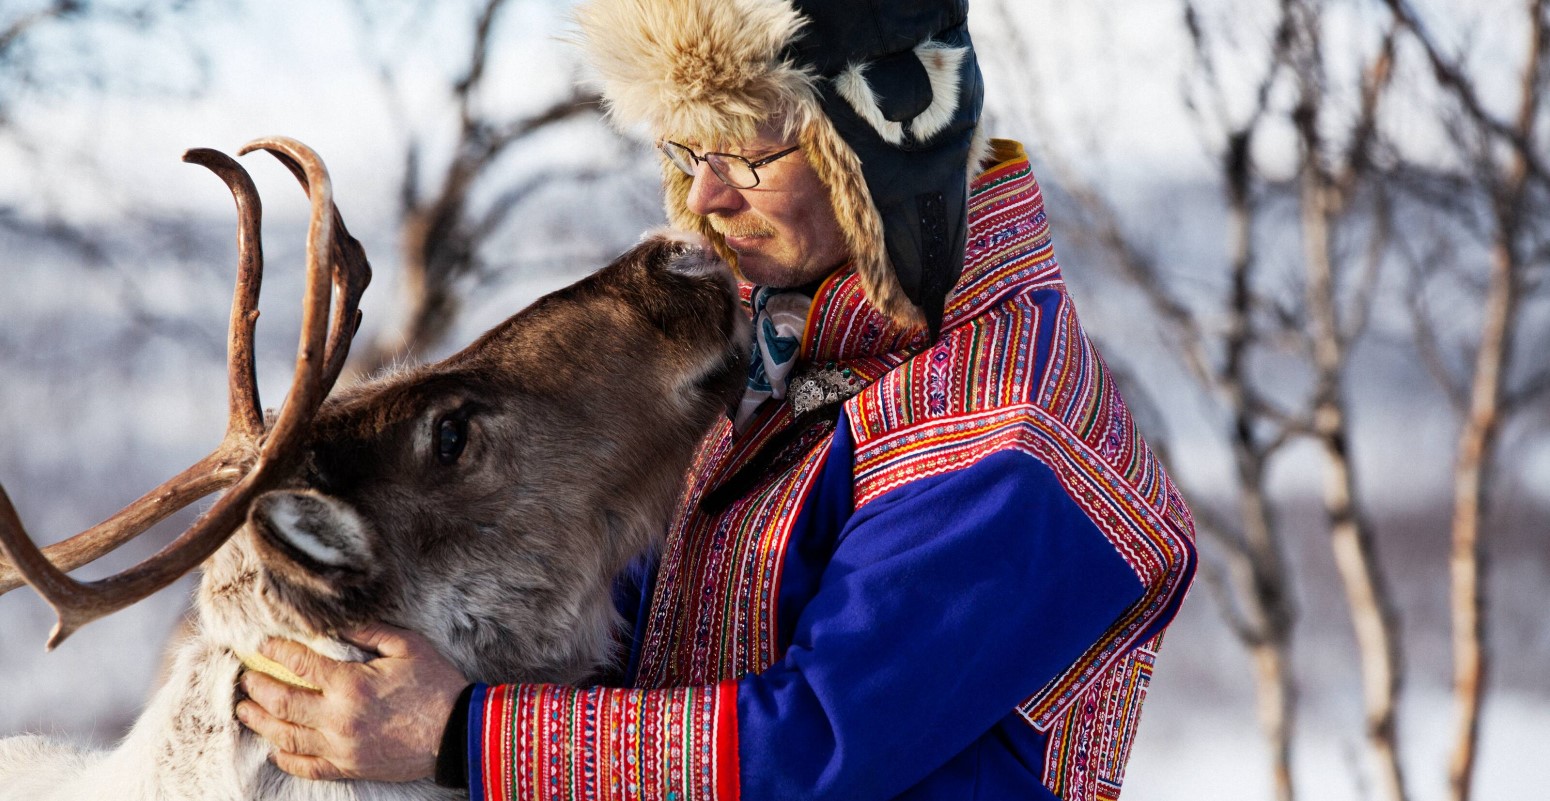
(380,720)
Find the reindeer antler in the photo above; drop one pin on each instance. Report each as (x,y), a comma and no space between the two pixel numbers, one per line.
(249,459)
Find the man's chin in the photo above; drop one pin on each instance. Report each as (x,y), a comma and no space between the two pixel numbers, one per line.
(752,263)
(762,271)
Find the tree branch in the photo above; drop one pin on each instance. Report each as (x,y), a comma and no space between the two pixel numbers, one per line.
(1450,75)
(13,33)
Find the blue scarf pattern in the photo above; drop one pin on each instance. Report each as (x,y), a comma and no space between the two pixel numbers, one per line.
(779,317)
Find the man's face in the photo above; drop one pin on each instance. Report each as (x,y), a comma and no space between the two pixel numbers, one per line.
(783,230)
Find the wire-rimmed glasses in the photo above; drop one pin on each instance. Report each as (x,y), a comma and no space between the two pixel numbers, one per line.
(733,170)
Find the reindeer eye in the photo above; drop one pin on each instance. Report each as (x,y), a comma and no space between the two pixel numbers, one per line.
(451,438)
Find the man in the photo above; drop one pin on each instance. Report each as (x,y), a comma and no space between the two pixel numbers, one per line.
(930,557)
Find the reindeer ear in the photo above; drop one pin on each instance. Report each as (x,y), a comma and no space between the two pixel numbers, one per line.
(312,529)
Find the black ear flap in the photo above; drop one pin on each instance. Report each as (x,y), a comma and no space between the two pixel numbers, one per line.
(916,168)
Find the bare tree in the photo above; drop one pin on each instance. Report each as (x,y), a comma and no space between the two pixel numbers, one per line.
(1257,591)
(443,230)
(1329,176)
(27,69)
(1339,197)
(1500,164)
(51,56)
(51,53)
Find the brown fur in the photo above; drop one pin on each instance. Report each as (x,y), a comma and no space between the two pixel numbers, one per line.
(582,413)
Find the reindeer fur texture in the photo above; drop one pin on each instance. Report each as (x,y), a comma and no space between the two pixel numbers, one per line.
(569,429)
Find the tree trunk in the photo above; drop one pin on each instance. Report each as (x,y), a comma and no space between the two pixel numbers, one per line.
(1367,594)
(1477,441)
(1264,580)
(1276,703)
(1477,444)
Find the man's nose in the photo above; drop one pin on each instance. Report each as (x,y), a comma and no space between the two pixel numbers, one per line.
(710,195)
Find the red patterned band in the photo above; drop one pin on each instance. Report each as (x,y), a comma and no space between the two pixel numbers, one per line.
(551,742)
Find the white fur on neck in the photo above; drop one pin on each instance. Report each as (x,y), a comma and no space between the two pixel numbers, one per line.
(186,746)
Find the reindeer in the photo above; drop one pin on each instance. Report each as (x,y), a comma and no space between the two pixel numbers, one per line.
(486,501)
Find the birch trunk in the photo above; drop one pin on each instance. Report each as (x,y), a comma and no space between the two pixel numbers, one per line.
(1367,594)
(1478,440)
(1262,575)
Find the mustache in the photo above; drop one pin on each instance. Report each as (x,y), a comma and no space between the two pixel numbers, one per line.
(741,227)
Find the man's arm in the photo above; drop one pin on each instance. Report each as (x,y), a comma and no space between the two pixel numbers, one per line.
(947,603)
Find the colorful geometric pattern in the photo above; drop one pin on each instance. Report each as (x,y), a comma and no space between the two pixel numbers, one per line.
(1079,389)
(713,612)
(1149,542)
(974,394)
(549,742)
(1090,742)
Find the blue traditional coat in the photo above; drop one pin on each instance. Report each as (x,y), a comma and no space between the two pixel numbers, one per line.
(955,590)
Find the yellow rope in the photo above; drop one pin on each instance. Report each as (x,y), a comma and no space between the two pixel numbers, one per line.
(262,664)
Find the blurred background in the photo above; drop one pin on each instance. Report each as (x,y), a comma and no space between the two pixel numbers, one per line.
(1312,237)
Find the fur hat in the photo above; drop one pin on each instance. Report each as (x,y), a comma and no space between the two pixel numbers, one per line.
(884,99)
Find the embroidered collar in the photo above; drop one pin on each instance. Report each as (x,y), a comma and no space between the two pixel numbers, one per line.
(846,343)
(1006,221)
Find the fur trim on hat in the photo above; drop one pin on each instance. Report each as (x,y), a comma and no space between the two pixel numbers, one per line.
(708,71)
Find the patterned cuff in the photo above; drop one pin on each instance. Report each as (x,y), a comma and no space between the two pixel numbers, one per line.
(549,742)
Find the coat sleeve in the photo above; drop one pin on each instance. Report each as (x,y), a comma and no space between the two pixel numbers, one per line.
(948,602)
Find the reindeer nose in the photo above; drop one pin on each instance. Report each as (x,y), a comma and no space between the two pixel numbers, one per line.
(689,254)
(697,262)
(313,527)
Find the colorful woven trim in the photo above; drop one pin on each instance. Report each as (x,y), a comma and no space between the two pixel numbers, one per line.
(1089,743)
(975,394)
(1151,544)
(551,742)
(1079,389)
(1149,541)
(1009,252)
(713,612)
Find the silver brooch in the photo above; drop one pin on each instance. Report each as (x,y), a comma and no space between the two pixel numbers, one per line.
(813,388)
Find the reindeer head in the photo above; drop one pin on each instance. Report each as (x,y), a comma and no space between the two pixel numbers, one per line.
(488,500)
(485,500)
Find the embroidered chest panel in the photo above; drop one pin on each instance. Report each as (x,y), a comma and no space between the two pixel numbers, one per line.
(712,613)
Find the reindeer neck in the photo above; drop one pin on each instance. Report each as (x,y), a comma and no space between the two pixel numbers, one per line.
(187,746)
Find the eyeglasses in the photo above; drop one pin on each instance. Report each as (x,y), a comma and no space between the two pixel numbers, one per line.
(733,170)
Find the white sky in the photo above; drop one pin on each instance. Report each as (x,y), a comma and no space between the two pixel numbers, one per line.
(1108,75)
